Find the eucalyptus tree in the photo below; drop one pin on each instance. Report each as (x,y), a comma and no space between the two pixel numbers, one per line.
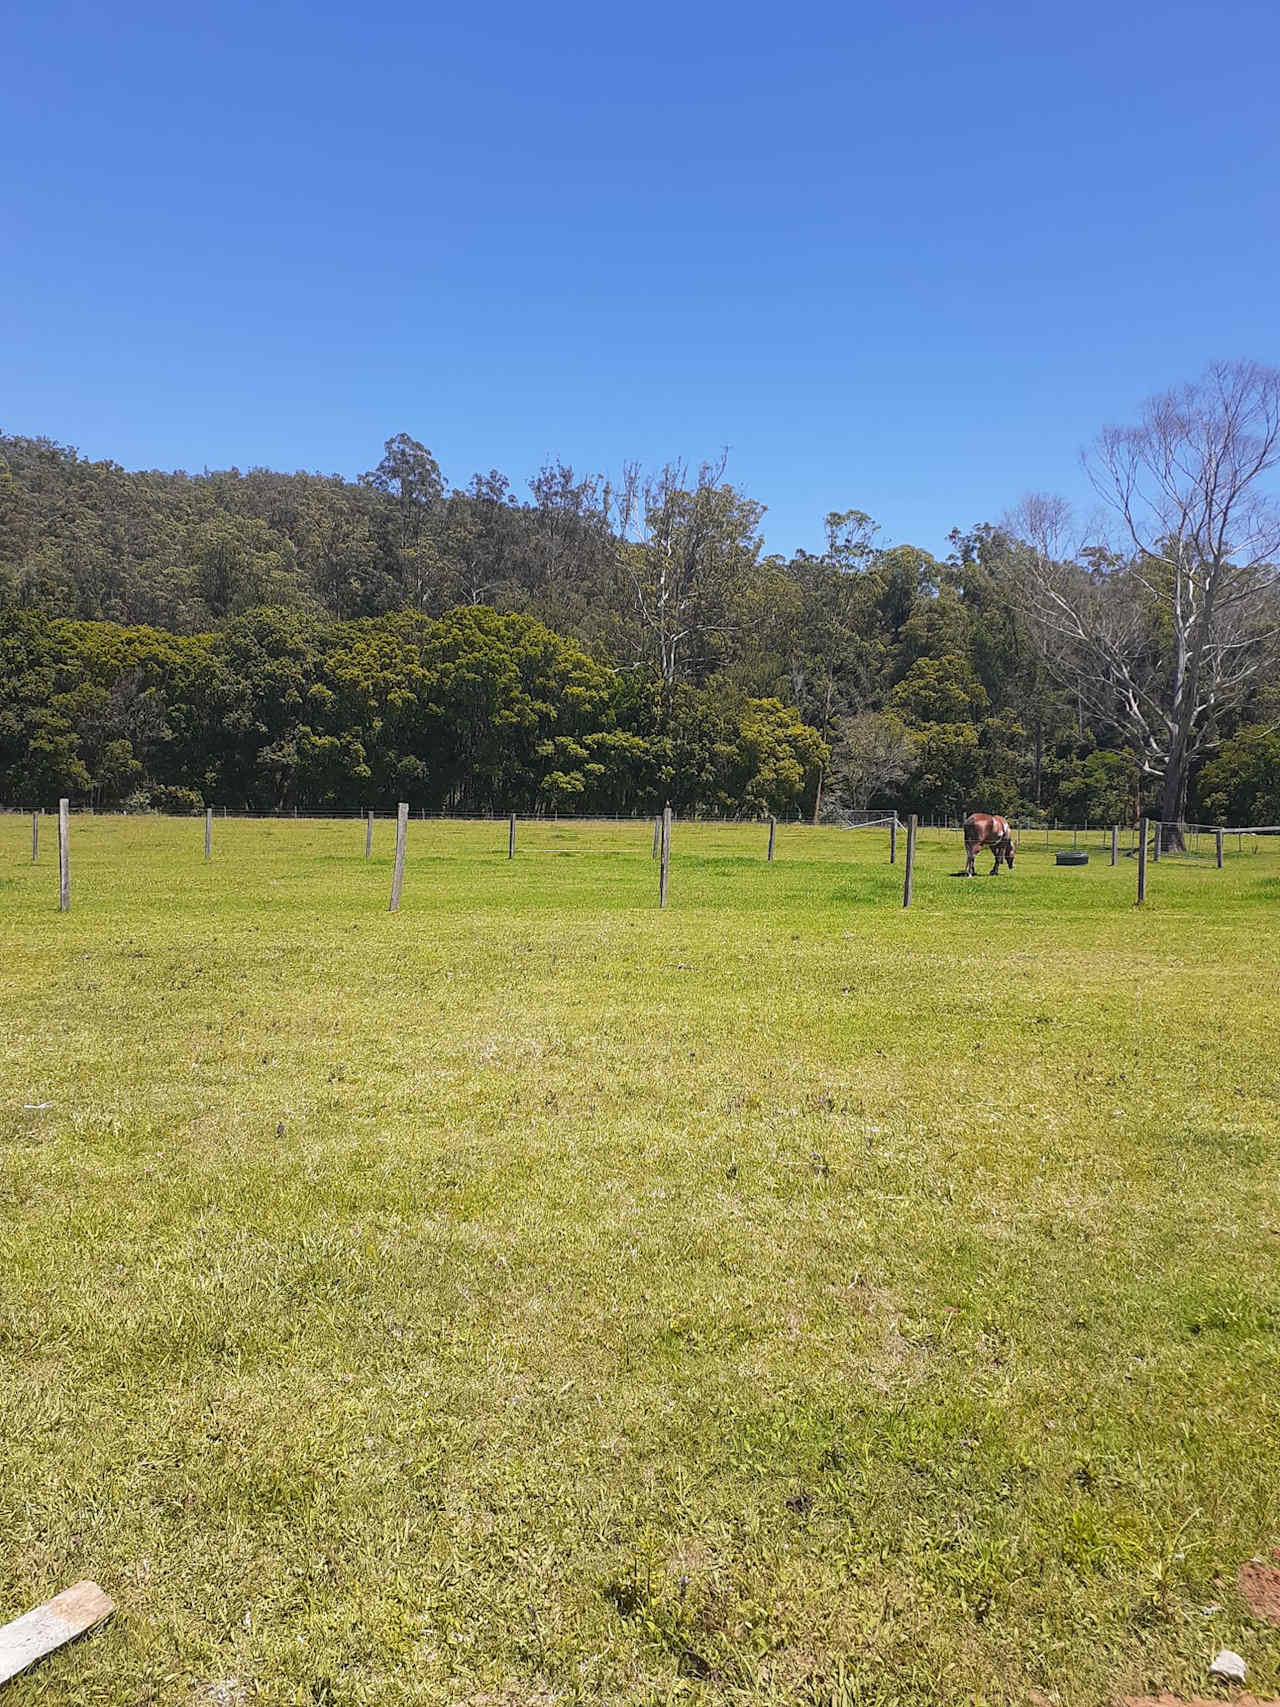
(684,548)
(1171,632)
(409,480)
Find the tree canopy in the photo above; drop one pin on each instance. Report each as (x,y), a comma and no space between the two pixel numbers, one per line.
(272,640)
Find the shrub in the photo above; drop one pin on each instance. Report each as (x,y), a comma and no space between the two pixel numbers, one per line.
(182,802)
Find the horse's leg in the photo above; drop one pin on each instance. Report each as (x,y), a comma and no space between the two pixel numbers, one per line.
(970,854)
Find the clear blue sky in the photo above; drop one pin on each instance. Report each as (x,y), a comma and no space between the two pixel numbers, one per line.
(905,258)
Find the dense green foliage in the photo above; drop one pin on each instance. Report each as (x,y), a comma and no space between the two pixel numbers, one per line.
(277,709)
(275,640)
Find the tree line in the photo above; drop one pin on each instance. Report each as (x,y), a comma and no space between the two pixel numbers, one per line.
(276,710)
(269,640)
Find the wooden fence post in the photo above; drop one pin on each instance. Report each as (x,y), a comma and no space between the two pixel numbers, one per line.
(773,824)
(511,837)
(911,859)
(368,836)
(1115,842)
(35,837)
(1142,862)
(893,839)
(397,875)
(1217,837)
(208,832)
(665,867)
(64,856)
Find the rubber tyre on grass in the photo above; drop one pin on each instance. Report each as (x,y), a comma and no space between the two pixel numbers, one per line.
(1072,856)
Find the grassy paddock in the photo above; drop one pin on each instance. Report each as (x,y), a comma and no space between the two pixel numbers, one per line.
(532,1296)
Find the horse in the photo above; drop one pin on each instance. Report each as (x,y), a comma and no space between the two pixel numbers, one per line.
(986,830)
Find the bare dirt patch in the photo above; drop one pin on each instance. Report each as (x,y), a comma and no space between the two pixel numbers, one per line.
(1260,1590)
(1195,1701)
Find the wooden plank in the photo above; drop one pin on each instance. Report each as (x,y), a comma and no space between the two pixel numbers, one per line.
(368,836)
(773,825)
(893,839)
(208,832)
(35,837)
(39,1632)
(64,856)
(397,875)
(1217,838)
(511,837)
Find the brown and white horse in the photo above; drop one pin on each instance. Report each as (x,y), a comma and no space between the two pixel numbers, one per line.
(986,830)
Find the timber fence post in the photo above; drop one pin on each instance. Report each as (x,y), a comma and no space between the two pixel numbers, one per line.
(665,866)
(397,875)
(64,856)
(911,860)
(1142,862)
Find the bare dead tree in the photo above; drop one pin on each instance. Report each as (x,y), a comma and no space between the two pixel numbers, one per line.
(1164,635)
(682,548)
(871,752)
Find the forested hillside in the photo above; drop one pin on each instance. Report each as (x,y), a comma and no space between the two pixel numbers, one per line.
(275,640)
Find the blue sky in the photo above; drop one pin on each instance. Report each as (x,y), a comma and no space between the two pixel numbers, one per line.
(906,259)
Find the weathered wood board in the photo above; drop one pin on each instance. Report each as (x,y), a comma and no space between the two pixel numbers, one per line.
(47,1627)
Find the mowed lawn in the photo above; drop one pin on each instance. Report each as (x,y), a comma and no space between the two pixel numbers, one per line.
(536,1297)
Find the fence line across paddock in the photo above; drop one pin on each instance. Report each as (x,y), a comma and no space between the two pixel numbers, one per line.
(1145,841)
(422,815)
(1199,838)
(1025,834)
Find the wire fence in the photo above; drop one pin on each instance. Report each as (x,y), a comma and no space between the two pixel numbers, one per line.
(859,821)
(423,814)
(1112,840)
(1197,838)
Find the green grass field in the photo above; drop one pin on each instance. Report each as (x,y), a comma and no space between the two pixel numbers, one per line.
(534,1297)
